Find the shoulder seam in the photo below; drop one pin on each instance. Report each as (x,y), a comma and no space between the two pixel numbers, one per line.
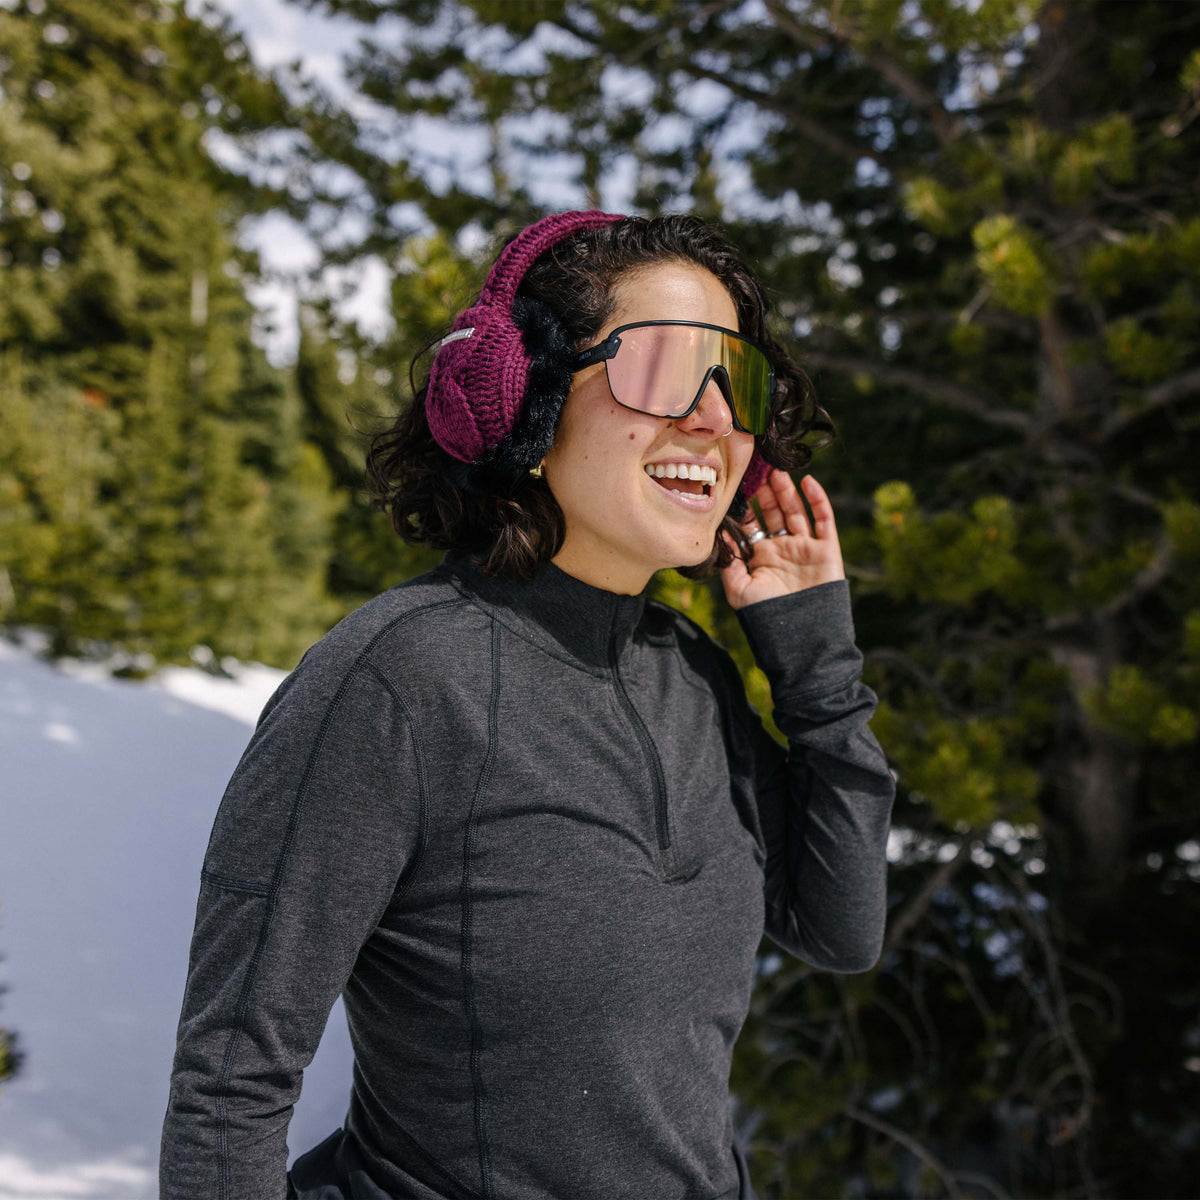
(517,632)
(476,1030)
(422,778)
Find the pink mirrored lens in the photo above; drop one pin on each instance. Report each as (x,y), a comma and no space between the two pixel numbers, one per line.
(658,368)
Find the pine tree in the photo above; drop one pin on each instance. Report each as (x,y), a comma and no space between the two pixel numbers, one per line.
(157,489)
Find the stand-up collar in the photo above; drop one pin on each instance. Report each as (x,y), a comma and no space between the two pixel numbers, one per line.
(565,616)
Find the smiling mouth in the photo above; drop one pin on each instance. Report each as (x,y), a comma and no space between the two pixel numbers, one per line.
(682,479)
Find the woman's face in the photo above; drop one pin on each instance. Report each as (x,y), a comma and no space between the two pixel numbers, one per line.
(623,523)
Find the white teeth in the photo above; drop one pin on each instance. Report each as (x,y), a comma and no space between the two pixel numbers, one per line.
(682,471)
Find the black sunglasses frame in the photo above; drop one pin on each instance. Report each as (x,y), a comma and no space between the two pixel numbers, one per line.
(603,351)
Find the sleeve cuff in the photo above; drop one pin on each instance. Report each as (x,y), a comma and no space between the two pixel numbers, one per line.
(804,642)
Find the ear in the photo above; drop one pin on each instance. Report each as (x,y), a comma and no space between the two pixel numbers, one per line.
(549,355)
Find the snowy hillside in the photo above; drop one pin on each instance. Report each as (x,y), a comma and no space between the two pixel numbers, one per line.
(107,794)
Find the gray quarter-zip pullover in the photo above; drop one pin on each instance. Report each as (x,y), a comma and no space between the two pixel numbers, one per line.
(532,833)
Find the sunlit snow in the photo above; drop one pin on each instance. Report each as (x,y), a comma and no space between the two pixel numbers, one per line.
(107,797)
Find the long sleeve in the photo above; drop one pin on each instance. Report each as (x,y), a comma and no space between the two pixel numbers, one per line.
(825,805)
(318,825)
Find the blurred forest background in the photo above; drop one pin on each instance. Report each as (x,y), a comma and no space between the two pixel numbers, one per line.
(979,224)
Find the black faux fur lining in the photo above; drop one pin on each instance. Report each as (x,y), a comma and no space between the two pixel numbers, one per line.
(546,390)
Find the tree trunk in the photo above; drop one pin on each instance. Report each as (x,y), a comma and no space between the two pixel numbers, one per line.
(1090,815)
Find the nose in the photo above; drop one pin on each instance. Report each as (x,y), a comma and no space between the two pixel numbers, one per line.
(712,417)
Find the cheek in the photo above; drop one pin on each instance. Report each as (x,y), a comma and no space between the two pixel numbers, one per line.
(743,453)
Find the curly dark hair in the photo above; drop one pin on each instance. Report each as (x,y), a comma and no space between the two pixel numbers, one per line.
(495,512)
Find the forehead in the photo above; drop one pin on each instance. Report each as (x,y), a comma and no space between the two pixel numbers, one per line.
(671,291)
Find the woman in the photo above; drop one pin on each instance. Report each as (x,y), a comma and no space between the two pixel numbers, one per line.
(520,817)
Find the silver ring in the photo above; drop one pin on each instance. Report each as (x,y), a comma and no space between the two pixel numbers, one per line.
(780,533)
(756,536)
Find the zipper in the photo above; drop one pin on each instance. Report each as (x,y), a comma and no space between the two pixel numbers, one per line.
(648,749)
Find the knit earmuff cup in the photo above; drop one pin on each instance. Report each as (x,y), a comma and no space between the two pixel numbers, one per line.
(478,381)
(548,380)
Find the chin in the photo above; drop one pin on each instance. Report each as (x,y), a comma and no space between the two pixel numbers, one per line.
(691,557)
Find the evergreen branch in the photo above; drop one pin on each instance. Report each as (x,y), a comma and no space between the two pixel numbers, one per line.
(1183,384)
(920,1056)
(812,129)
(1146,580)
(648,46)
(945,127)
(990,318)
(1057,1016)
(953,394)
(887,654)
(863,573)
(1133,494)
(910,1143)
(918,905)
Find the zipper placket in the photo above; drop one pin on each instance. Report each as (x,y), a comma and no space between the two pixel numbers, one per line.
(648,749)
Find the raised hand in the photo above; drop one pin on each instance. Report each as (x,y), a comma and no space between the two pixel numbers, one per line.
(792,556)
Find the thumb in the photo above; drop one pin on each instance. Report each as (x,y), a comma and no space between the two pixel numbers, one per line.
(734,578)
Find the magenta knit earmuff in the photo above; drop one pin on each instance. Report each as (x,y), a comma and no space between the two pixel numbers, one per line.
(499,379)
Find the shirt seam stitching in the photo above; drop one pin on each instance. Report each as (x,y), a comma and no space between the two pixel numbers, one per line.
(485,776)
(233,885)
(831,690)
(404,883)
(492,615)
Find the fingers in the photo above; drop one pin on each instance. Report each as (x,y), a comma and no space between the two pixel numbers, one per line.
(822,508)
(735,576)
(783,509)
(773,516)
(750,523)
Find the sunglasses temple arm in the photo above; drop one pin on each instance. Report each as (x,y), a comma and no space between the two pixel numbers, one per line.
(599,353)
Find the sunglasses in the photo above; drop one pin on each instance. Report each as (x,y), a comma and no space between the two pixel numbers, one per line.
(662,368)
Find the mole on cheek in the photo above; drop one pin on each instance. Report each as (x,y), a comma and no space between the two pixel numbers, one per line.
(632,436)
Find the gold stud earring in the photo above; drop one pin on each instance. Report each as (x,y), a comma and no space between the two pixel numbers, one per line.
(536,472)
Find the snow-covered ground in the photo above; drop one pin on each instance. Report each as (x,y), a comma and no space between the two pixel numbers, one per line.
(108,790)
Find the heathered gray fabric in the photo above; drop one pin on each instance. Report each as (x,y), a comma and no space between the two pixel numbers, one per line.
(532,833)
